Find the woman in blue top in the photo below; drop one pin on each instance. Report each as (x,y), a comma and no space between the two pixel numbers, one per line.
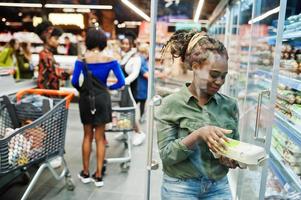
(94,124)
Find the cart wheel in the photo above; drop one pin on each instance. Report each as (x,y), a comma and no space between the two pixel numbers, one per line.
(125,166)
(69,184)
(26,178)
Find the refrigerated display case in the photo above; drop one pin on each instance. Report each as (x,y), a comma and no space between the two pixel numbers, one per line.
(263,38)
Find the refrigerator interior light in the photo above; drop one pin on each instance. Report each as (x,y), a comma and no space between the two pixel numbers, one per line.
(265,15)
(136,9)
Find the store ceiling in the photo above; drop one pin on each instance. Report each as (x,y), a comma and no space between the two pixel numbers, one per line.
(184,8)
(167,9)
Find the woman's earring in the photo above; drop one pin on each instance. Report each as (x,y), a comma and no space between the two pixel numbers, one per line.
(194,66)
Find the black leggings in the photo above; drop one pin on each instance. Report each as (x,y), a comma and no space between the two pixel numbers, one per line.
(142,106)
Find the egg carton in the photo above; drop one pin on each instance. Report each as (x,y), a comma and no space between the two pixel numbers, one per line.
(247,155)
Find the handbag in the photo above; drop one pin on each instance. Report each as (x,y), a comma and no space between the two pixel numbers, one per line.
(91,87)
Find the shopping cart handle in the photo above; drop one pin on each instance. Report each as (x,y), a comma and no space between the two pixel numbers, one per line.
(66,94)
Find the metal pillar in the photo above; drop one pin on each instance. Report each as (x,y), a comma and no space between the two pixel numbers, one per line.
(151,93)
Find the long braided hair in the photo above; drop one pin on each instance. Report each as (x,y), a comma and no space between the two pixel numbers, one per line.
(193,46)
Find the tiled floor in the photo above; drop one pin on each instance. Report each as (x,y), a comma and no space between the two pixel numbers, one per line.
(118,185)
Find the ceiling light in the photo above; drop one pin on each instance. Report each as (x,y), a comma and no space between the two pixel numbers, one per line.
(36,21)
(132,23)
(83,10)
(198,11)
(265,15)
(68,10)
(67,19)
(3,19)
(170,2)
(136,9)
(121,25)
(116,22)
(20,14)
(74,6)
(30,5)
(187,20)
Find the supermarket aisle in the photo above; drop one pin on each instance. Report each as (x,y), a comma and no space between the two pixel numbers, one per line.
(118,185)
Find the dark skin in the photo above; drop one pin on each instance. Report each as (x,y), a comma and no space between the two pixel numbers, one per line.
(126,45)
(52,42)
(208,79)
(96,132)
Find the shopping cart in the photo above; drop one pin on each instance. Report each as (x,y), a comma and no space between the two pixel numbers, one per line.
(38,142)
(123,120)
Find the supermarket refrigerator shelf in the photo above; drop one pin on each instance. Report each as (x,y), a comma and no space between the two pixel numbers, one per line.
(277,172)
(290,82)
(284,172)
(293,35)
(286,36)
(293,132)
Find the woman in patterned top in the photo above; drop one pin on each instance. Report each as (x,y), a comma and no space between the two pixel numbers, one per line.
(48,76)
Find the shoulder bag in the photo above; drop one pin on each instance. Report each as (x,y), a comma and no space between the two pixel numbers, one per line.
(91,87)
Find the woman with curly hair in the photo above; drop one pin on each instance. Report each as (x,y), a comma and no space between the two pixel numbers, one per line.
(196,121)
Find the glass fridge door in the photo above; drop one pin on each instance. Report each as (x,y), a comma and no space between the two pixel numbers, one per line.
(236,78)
(257,114)
(284,175)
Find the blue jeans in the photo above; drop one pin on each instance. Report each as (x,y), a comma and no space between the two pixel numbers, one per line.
(195,189)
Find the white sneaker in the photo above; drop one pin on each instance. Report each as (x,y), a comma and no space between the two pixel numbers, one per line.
(138,138)
(119,136)
(56,163)
(97,181)
(84,177)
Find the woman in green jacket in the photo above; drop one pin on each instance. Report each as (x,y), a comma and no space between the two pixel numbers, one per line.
(196,121)
(7,56)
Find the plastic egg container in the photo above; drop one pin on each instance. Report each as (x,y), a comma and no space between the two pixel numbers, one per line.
(18,150)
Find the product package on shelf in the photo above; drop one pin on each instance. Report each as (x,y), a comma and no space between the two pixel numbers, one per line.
(262,56)
(296,114)
(290,152)
(288,102)
(292,24)
(290,63)
(274,188)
